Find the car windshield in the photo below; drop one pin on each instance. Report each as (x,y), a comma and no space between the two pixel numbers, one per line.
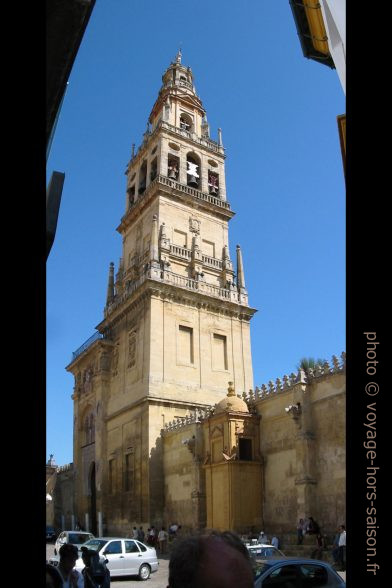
(77,538)
(95,544)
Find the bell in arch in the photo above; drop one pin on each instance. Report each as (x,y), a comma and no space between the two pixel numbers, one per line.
(192,174)
(172,170)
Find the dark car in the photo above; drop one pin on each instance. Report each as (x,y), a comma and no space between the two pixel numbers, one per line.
(284,572)
(50,533)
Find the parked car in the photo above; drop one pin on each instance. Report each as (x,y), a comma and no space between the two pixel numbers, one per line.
(123,557)
(264,550)
(77,538)
(296,572)
(50,533)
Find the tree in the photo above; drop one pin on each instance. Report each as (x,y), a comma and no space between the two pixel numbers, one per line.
(309,363)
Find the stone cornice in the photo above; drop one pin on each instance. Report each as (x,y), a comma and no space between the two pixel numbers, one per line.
(89,350)
(174,293)
(159,401)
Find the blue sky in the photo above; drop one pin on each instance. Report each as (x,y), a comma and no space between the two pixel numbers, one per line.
(277,111)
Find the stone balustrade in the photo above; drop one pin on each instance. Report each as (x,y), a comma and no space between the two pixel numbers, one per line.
(179,281)
(198,416)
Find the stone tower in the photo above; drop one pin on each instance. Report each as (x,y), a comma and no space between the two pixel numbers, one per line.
(176,324)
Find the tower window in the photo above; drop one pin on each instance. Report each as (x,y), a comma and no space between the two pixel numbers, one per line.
(131,195)
(153,172)
(219,352)
(185,345)
(142,177)
(173,165)
(245,449)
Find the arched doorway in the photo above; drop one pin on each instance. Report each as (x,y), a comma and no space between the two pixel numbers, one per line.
(93,501)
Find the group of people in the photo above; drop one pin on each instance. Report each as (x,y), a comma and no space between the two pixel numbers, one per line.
(306,527)
(155,538)
(311,527)
(64,576)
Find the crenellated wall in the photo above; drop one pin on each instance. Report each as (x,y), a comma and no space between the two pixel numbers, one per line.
(302,448)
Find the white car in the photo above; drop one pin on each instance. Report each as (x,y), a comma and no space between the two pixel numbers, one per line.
(123,557)
(77,538)
(263,550)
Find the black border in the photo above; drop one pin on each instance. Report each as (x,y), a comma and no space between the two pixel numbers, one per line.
(367,218)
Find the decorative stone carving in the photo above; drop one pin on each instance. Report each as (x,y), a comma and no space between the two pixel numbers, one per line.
(194,225)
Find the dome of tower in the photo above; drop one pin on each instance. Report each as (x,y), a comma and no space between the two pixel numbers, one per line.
(231,402)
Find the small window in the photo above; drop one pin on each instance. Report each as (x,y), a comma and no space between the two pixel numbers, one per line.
(113,547)
(185,345)
(314,575)
(245,449)
(131,547)
(219,352)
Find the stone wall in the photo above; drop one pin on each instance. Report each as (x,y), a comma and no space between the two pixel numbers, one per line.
(303,447)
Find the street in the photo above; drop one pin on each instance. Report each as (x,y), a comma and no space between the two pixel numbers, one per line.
(156,580)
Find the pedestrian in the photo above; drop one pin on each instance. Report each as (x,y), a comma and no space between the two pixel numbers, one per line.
(134,533)
(162,539)
(275,542)
(301,526)
(217,560)
(262,538)
(95,573)
(53,578)
(140,534)
(335,547)
(152,537)
(342,547)
(68,555)
(312,527)
(318,552)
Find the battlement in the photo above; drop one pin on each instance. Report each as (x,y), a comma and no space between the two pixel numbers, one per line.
(301,377)
(65,468)
(263,392)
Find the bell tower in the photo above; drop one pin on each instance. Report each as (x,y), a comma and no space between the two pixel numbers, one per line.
(176,324)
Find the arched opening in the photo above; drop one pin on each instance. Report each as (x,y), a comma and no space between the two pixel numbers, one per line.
(186,122)
(193,170)
(213,183)
(173,166)
(142,177)
(93,501)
